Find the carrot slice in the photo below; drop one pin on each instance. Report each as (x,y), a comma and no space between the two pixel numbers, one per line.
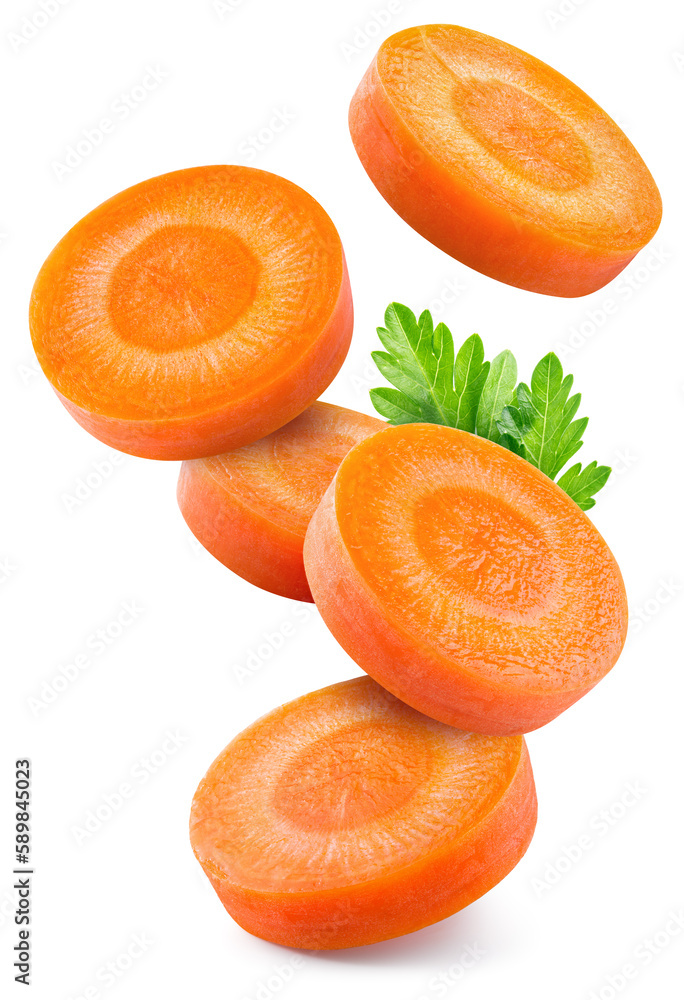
(251,507)
(194,312)
(464,580)
(345,817)
(501,161)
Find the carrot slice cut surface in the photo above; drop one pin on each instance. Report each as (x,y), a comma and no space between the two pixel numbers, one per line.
(251,507)
(501,161)
(346,817)
(194,312)
(464,580)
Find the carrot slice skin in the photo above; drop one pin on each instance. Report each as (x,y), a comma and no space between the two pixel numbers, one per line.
(345,818)
(251,507)
(194,312)
(464,580)
(501,161)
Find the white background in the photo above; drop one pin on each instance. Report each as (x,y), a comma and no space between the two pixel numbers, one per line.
(67,568)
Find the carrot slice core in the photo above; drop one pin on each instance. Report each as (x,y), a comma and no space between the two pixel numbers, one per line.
(353,776)
(525,134)
(182,286)
(493,555)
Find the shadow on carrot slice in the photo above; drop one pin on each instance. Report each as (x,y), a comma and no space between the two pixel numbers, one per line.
(464,580)
(345,818)
(194,312)
(251,507)
(501,161)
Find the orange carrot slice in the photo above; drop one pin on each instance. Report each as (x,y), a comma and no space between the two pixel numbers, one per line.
(195,312)
(464,580)
(501,161)
(251,507)
(345,817)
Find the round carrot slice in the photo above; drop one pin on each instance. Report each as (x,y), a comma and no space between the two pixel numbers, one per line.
(195,312)
(501,161)
(251,507)
(464,580)
(345,817)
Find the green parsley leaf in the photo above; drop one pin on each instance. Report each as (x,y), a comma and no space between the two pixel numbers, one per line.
(550,436)
(498,392)
(470,375)
(411,365)
(396,406)
(582,483)
(435,384)
(431,384)
(511,429)
(540,427)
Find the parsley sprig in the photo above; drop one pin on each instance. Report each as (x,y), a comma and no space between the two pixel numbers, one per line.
(436,384)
